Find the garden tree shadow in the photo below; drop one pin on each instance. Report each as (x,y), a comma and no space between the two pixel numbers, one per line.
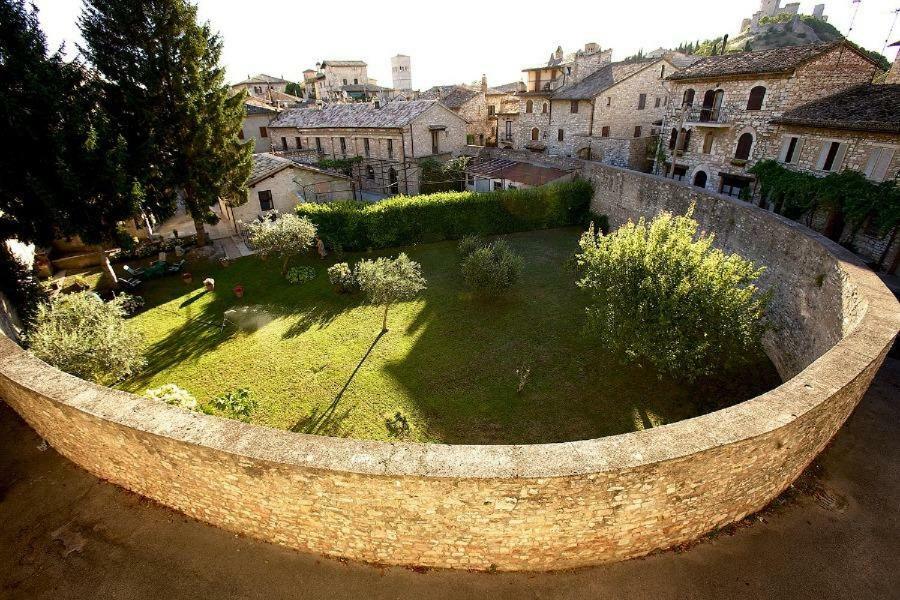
(522,370)
(320,423)
(318,315)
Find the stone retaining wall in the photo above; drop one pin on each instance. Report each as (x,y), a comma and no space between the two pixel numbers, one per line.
(532,507)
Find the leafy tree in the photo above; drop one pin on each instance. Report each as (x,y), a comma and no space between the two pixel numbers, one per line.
(84,336)
(165,95)
(386,281)
(294,89)
(285,236)
(492,269)
(662,294)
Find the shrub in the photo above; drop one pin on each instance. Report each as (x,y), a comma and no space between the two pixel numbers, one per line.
(238,403)
(404,220)
(174,395)
(662,294)
(469,244)
(386,281)
(492,269)
(341,276)
(284,236)
(300,274)
(84,336)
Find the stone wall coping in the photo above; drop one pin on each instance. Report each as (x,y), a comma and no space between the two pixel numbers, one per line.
(836,368)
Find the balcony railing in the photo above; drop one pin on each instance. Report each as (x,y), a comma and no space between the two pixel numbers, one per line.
(706,115)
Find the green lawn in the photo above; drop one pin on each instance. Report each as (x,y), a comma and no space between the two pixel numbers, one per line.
(451,363)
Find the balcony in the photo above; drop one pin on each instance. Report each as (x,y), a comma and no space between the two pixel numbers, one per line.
(706,117)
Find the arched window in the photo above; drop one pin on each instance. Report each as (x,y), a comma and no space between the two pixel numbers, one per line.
(529,106)
(745,143)
(544,108)
(673,139)
(688,97)
(757,95)
(535,134)
(700,179)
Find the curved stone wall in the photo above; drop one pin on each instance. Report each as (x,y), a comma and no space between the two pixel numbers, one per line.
(531,507)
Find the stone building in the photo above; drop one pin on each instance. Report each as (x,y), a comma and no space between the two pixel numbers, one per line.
(255,127)
(857,129)
(387,141)
(278,183)
(471,103)
(331,75)
(720,120)
(401,72)
(260,85)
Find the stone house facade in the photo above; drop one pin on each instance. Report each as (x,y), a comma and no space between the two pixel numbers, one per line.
(388,140)
(260,85)
(278,183)
(255,126)
(719,122)
(332,75)
(859,130)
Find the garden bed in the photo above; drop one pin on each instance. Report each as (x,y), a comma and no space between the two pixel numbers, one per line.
(456,368)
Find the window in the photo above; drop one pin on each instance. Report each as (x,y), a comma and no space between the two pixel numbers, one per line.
(390,144)
(366,148)
(370,172)
(284,143)
(688,99)
(744,145)
(733,185)
(559,135)
(470,179)
(470,139)
(790,150)
(355,81)
(498,185)
(707,143)
(509,130)
(492,110)
(435,141)
(832,156)
(604,132)
(656,102)
(642,101)
(343,146)
(573,107)
(878,163)
(679,173)
(529,106)
(700,179)
(673,139)
(544,108)
(394,186)
(299,144)
(319,145)
(757,94)
(637,131)
(535,134)
(265,200)
(345,81)
(662,72)
(685,140)
(609,100)
(263,132)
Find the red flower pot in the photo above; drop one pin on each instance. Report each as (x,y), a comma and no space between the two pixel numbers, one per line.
(238,291)
(187,277)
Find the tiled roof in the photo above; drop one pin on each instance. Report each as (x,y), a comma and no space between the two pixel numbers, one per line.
(863,108)
(452,96)
(391,115)
(283,97)
(262,78)
(266,165)
(512,170)
(343,63)
(506,88)
(775,60)
(258,107)
(601,80)
(363,87)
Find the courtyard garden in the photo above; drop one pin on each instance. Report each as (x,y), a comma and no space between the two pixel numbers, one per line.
(455,366)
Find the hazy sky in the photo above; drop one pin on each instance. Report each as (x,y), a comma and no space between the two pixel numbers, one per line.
(465,38)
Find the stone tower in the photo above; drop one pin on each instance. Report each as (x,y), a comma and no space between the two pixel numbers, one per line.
(401,73)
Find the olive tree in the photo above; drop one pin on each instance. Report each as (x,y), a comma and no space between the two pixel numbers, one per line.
(662,294)
(285,237)
(85,336)
(386,281)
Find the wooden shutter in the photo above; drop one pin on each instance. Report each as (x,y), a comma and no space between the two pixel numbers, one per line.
(839,158)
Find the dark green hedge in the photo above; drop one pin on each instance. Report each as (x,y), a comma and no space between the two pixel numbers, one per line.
(405,220)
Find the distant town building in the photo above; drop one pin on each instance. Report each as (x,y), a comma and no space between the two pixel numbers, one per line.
(773,8)
(255,127)
(332,75)
(401,72)
(261,85)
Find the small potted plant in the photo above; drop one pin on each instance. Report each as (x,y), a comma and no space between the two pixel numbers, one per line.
(210,284)
(238,290)
(187,277)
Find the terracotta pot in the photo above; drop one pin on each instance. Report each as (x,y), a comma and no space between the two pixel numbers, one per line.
(238,291)
(187,277)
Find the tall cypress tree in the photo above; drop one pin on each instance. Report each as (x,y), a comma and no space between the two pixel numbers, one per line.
(165,93)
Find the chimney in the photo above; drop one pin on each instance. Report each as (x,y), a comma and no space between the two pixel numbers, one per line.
(483,83)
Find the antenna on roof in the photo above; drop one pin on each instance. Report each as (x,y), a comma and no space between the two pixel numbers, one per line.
(853,17)
(887,40)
